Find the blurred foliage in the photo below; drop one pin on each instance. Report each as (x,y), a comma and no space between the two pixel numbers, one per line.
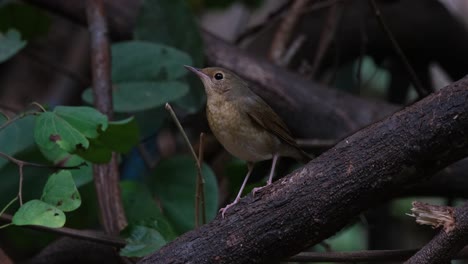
(19,23)
(172,23)
(16,137)
(148,228)
(173,183)
(27,19)
(145,76)
(10,44)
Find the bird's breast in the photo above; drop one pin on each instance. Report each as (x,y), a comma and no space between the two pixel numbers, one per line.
(237,132)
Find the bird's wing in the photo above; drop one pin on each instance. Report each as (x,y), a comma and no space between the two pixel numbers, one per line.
(262,114)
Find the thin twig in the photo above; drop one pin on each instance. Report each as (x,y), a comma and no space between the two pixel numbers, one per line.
(15,118)
(292,50)
(21,163)
(20,185)
(326,36)
(200,179)
(87,235)
(39,106)
(197,160)
(285,29)
(181,129)
(417,83)
(8,205)
(38,165)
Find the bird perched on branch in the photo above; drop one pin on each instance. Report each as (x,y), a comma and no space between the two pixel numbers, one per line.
(244,123)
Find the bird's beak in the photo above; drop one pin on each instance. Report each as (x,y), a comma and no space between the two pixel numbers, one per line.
(198,72)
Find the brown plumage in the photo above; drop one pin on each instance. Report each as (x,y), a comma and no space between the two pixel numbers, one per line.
(244,123)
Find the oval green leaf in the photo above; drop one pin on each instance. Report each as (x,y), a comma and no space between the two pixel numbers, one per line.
(137,61)
(139,96)
(60,191)
(36,212)
(68,127)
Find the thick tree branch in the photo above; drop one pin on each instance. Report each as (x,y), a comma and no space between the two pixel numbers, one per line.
(319,199)
(447,243)
(106,176)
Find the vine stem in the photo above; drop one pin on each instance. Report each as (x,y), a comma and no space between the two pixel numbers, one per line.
(199,192)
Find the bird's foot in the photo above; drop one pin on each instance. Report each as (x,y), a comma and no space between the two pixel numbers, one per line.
(224,210)
(256,189)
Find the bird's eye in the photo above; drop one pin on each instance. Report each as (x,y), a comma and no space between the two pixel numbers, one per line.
(218,76)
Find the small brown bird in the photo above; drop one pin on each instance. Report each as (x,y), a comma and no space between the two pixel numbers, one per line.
(244,123)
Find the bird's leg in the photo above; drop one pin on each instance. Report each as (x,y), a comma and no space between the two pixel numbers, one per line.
(250,166)
(270,178)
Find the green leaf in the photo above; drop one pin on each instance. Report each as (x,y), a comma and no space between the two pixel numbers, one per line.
(137,61)
(173,183)
(142,241)
(60,191)
(36,212)
(27,19)
(141,209)
(89,121)
(10,44)
(139,96)
(59,156)
(69,127)
(17,137)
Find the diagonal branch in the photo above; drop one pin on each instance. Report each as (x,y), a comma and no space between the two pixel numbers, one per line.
(317,200)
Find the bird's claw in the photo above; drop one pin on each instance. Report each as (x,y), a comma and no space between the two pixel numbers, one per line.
(224,210)
(256,189)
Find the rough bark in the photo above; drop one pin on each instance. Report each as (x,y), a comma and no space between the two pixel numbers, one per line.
(318,199)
